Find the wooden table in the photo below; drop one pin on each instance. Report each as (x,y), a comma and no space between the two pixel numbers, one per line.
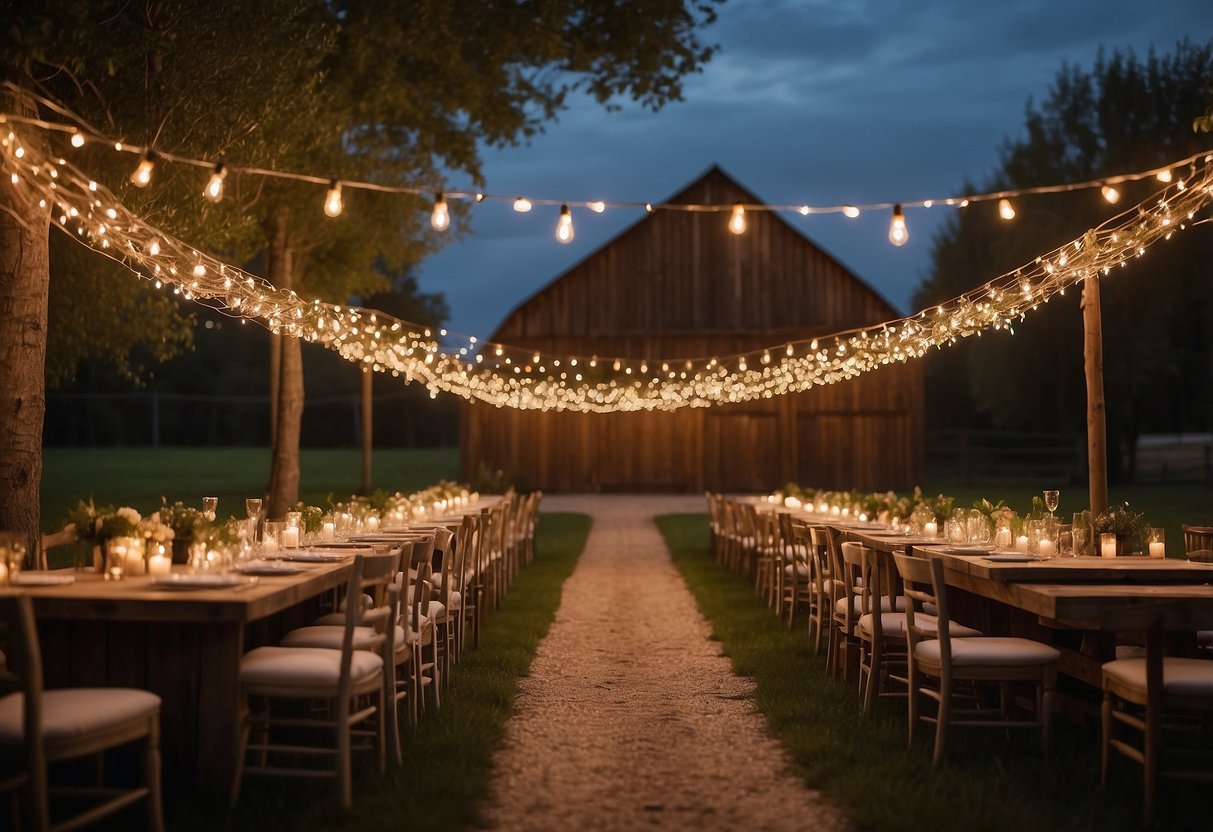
(184,645)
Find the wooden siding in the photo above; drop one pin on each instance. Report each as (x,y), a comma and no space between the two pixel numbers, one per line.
(679,285)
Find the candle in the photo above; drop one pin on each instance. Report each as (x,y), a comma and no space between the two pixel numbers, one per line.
(1021,543)
(930,529)
(1002,538)
(269,546)
(1158,549)
(327,531)
(372,523)
(290,538)
(1107,545)
(1045,547)
(159,565)
(3,573)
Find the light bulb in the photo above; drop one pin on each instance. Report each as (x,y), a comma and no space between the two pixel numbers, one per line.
(564,227)
(522,205)
(214,188)
(1110,194)
(1163,175)
(440,217)
(1005,210)
(899,235)
(737,221)
(154,248)
(332,200)
(850,211)
(77,139)
(142,176)
(598,207)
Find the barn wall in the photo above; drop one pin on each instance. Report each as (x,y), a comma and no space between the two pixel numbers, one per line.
(679,285)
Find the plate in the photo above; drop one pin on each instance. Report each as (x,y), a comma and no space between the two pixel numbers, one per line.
(179,580)
(315,557)
(268,568)
(42,579)
(970,548)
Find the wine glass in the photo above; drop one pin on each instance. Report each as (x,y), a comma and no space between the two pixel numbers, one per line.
(209,504)
(253,506)
(1051,499)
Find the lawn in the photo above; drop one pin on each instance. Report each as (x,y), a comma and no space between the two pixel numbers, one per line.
(991,782)
(448,758)
(139,477)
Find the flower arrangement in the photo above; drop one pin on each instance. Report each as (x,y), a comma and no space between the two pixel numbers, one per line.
(96,524)
(311,517)
(187,523)
(1123,522)
(153,529)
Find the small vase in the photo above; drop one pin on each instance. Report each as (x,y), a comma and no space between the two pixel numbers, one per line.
(181,551)
(1124,545)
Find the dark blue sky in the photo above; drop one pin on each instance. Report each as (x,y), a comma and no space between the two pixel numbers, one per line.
(807,101)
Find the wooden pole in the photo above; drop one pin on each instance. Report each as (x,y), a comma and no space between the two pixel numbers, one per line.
(1097,440)
(368,403)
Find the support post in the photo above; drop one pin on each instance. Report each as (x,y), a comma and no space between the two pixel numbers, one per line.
(1097,439)
(368,403)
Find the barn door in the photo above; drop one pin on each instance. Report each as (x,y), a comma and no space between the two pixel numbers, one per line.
(741,451)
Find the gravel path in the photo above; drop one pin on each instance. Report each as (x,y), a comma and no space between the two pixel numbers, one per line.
(631,717)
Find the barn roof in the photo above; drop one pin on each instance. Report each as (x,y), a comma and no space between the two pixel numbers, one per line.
(675,273)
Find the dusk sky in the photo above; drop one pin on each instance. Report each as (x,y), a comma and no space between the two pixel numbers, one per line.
(807,101)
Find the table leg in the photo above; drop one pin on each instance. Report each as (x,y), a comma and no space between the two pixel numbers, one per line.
(1154,696)
(219,705)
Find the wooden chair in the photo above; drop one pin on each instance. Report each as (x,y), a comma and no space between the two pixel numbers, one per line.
(1198,543)
(848,564)
(822,613)
(768,556)
(348,681)
(933,653)
(41,727)
(795,582)
(1187,686)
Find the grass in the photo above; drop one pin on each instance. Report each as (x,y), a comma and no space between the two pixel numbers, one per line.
(448,758)
(991,782)
(139,477)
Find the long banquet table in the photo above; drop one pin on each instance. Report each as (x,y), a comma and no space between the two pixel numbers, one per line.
(183,645)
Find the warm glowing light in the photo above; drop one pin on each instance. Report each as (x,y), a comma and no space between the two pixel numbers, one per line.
(737,220)
(1163,175)
(899,235)
(214,188)
(440,217)
(850,211)
(332,200)
(598,207)
(522,205)
(1005,210)
(77,139)
(564,228)
(142,176)
(1110,194)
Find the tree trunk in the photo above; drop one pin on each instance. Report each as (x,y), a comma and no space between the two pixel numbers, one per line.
(368,437)
(1097,444)
(284,462)
(24,288)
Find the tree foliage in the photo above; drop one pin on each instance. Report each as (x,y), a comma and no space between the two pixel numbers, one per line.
(1125,114)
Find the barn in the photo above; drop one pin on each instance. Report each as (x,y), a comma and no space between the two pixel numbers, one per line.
(679,284)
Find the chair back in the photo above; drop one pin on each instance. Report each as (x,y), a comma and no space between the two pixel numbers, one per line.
(1198,543)
(922,584)
(874,570)
(467,542)
(21,672)
(851,567)
(823,563)
(352,616)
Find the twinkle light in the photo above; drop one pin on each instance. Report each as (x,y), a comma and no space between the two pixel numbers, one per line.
(522,205)
(1110,194)
(1163,175)
(850,211)
(440,217)
(77,139)
(1005,210)
(598,206)
(332,200)
(141,177)
(214,186)
(737,220)
(564,228)
(899,235)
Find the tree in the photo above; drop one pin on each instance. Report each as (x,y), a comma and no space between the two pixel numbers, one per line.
(1123,115)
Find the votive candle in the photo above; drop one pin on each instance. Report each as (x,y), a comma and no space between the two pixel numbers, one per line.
(159,565)
(1045,547)
(290,537)
(328,530)
(930,529)
(1021,543)
(1158,549)
(1002,538)
(372,523)
(1107,545)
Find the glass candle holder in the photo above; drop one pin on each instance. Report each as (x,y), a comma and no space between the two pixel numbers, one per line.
(1107,545)
(1156,543)
(12,556)
(271,537)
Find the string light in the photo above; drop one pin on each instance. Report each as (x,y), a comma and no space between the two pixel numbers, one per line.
(214,187)
(1005,210)
(899,235)
(598,206)
(332,200)
(564,228)
(850,211)
(511,377)
(737,220)
(1110,194)
(77,139)
(141,177)
(440,217)
(522,205)
(1163,175)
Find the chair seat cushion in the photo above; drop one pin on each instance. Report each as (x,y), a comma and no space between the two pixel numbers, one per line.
(886,605)
(801,569)
(894,624)
(329,637)
(992,650)
(310,669)
(76,712)
(1183,677)
(367,616)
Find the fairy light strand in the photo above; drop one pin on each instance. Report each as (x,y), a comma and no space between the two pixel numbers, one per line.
(513,377)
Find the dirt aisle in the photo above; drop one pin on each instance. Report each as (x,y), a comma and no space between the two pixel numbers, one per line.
(631,718)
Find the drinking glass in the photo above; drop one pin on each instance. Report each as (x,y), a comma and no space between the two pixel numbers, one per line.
(1051,500)
(1082,533)
(1065,541)
(209,504)
(253,506)
(271,538)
